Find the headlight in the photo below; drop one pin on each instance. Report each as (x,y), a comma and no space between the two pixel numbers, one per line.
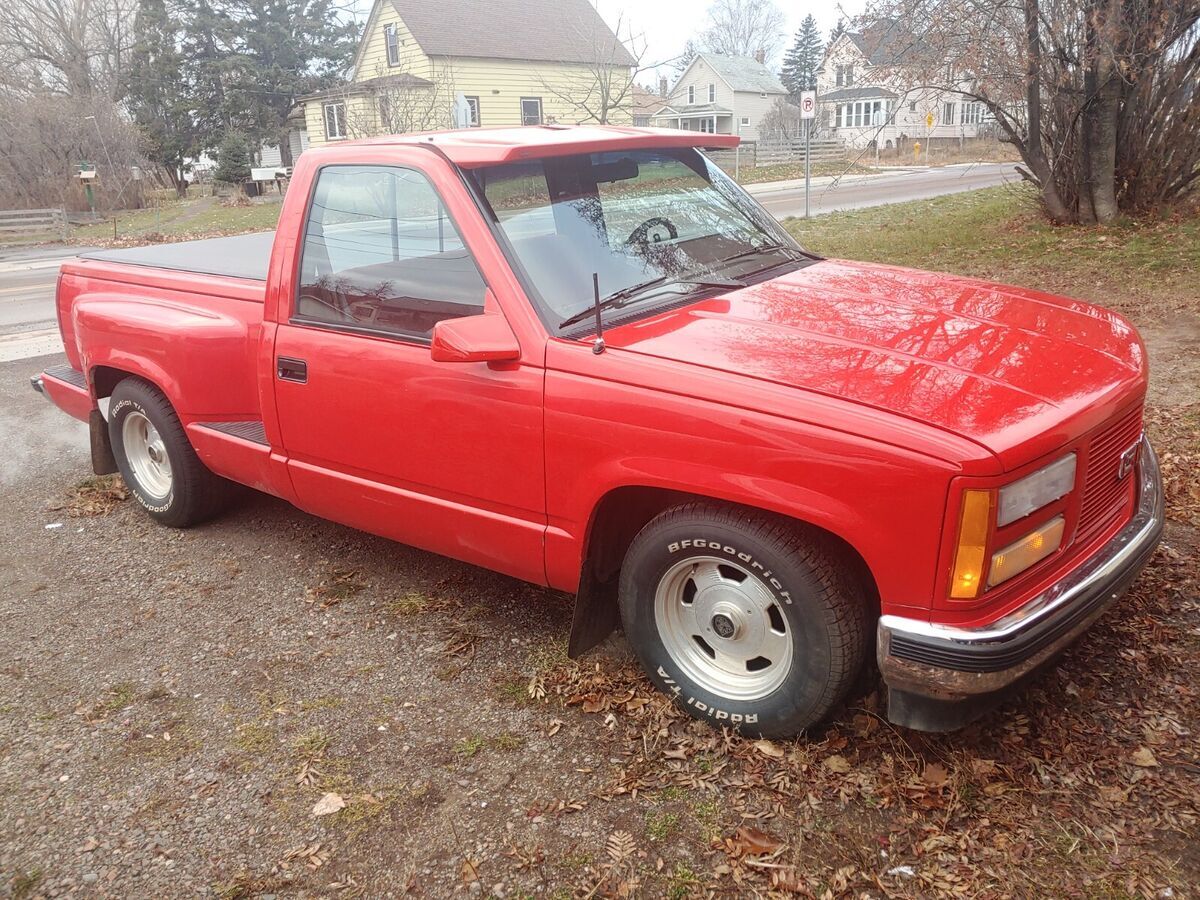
(1032,492)
(975,566)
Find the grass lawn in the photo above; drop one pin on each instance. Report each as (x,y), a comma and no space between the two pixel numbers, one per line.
(179,220)
(1000,235)
(791,170)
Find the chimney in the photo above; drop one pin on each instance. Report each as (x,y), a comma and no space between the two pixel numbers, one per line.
(662,85)
(760,56)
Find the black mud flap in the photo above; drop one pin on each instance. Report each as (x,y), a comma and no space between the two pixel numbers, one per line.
(103,461)
(595,615)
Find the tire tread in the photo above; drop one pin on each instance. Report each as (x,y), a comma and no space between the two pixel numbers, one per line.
(845,613)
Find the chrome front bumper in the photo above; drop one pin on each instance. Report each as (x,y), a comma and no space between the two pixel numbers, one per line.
(936,674)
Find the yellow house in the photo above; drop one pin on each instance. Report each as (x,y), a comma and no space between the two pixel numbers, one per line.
(429,64)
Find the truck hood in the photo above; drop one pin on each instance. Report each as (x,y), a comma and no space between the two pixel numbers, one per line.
(1017,371)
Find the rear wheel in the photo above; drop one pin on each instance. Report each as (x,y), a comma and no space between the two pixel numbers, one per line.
(156,459)
(744,619)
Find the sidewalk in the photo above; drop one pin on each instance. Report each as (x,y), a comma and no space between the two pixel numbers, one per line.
(793,184)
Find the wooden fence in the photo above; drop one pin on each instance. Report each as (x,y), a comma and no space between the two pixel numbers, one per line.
(21,223)
(792,150)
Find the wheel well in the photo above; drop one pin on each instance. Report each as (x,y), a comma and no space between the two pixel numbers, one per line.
(625,511)
(106,378)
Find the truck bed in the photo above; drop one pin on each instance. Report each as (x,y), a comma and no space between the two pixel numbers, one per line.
(241,256)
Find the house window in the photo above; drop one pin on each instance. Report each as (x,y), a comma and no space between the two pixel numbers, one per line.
(972,113)
(745,120)
(691,94)
(531,110)
(845,76)
(708,125)
(473,103)
(335,121)
(392,38)
(912,107)
(948,114)
(712,93)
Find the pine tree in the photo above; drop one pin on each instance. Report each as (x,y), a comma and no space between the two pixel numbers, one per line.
(250,60)
(838,30)
(233,159)
(158,92)
(802,60)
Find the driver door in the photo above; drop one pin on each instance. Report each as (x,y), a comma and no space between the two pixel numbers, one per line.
(443,456)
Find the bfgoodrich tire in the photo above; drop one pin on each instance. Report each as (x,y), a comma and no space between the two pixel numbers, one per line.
(744,619)
(156,459)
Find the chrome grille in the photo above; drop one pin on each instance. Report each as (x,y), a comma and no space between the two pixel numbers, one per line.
(1104,493)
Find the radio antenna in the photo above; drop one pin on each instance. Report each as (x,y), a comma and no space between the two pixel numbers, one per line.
(597,347)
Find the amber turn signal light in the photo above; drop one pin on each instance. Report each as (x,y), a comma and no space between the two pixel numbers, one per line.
(971,553)
(1020,555)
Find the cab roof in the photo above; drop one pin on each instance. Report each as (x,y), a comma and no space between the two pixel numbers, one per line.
(474,147)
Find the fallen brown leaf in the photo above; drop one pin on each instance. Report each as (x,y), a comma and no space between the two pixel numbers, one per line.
(328,804)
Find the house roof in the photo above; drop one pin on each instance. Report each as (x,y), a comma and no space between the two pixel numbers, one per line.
(858,93)
(688,112)
(474,147)
(742,73)
(645,102)
(544,30)
(399,81)
(886,42)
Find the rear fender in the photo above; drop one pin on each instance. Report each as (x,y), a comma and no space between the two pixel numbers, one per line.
(212,354)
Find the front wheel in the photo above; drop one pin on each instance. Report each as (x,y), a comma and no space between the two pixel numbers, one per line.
(744,619)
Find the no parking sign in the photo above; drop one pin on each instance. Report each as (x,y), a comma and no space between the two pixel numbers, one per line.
(808,104)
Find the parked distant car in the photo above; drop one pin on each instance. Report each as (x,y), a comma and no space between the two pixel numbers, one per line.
(587,359)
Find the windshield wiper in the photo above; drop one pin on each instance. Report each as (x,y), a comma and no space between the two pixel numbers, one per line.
(765,248)
(635,292)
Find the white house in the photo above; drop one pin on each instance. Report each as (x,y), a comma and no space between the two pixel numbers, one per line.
(722,95)
(873,86)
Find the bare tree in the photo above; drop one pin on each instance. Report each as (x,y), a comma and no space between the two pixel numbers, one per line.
(44,139)
(1099,96)
(744,28)
(80,48)
(602,87)
(400,102)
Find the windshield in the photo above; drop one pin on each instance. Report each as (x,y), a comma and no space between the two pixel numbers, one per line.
(663,219)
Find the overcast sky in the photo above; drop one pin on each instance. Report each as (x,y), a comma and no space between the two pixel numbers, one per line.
(667,24)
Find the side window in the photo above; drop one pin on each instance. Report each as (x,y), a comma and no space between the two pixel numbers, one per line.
(381,253)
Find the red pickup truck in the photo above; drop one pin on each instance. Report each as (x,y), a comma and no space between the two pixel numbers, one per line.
(586,358)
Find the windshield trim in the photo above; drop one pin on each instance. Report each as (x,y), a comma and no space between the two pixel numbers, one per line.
(614,316)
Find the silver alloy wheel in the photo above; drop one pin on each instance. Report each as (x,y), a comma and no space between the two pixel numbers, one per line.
(147,455)
(723,627)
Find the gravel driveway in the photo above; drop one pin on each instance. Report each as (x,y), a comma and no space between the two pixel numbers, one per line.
(174,706)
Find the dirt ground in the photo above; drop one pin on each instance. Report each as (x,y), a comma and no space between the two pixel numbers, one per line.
(175,705)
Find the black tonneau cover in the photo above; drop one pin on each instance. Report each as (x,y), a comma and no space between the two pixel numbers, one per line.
(241,256)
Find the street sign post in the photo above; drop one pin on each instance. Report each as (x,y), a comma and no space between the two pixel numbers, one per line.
(808,112)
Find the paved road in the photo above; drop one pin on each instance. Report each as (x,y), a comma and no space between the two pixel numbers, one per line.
(27,321)
(27,276)
(857,191)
